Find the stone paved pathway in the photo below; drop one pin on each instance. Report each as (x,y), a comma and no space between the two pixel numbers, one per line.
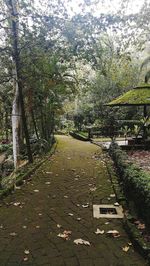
(51,202)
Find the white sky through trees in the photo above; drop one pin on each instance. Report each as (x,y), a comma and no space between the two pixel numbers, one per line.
(98,7)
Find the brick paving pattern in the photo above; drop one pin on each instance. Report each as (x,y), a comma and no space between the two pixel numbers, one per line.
(59,197)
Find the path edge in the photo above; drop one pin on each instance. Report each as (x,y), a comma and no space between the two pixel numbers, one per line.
(20,178)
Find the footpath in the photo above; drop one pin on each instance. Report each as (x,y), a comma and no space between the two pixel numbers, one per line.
(49,220)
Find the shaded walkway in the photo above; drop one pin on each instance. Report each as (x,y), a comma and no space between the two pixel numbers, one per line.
(59,197)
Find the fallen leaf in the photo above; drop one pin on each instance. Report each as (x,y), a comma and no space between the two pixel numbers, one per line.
(66,197)
(65,235)
(25,259)
(80,241)
(130,244)
(78,219)
(37,226)
(50,173)
(26,252)
(93,189)
(67,232)
(70,214)
(141,226)
(13,234)
(47,183)
(85,205)
(98,231)
(17,203)
(1,226)
(59,226)
(107,223)
(126,248)
(36,190)
(113,233)
(24,226)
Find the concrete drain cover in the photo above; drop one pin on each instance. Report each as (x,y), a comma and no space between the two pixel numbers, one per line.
(107,211)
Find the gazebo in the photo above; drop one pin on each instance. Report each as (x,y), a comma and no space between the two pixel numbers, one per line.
(138,96)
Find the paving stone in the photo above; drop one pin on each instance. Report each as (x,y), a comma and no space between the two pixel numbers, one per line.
(43,243)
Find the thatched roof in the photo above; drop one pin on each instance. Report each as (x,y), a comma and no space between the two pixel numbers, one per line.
(138,96)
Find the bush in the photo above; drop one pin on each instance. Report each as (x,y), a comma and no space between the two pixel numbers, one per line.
(136,183)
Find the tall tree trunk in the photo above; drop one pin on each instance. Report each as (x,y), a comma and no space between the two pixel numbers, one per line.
(12,6)
(16,123)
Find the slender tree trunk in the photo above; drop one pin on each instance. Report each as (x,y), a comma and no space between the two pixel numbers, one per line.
(16,118)
(6,124)
(12,5)
(34,124)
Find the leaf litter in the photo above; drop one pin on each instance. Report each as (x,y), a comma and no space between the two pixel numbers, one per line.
(113,233)
(81,241)
(98,231)
(65,235)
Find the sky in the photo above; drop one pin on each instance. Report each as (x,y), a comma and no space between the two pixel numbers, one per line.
(104,6)
(101,6)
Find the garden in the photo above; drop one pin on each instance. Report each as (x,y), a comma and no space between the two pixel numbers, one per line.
(80,70)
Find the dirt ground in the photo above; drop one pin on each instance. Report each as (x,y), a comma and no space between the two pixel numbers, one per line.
(140,158)
(40,221)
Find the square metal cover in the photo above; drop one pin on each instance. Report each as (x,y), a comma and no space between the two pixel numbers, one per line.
(107,211)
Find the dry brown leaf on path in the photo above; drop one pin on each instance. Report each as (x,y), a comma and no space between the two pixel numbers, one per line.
(47,183)
(113,233)
(81,241)
(59,225)
(37,226)
(25,259)
(93,189)
(126,248)
(49,173)
(26,251)
(13,234)
(65,234)
(98,231)
(85,205)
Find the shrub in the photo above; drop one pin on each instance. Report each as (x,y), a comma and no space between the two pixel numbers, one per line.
(136,183)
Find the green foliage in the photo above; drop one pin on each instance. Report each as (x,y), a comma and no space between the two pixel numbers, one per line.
(136,183)
(5,147)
